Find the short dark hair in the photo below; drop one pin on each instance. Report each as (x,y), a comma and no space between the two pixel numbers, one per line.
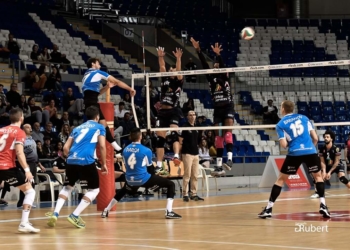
(135,134)
(91,61)
(121,103)
(270,100)
(92,112)
(331,133)
(15,115)
(288,106)
(1,85)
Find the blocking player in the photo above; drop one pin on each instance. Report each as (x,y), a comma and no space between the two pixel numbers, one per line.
(91,89)
(220,89)
(296,133)
(80,150)
(11,144)
(169,114)
(347,155)
(138,159)
(330,161)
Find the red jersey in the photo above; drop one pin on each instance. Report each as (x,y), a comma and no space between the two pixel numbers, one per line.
(9,136)
(347,145)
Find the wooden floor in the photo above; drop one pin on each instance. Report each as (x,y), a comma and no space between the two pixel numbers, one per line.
(220,222)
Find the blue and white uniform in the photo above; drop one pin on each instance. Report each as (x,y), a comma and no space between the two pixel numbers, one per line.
(85,138)
(137,158)
(92,79)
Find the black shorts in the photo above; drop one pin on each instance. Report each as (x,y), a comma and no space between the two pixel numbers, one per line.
(91,99)
(166,117)
(339,169)
(292,163)
(223,113)
(87,175)
(154,181)
(14,176)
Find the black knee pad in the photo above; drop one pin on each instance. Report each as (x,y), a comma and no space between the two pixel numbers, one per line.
(160,142)
(344,180)
(174,136)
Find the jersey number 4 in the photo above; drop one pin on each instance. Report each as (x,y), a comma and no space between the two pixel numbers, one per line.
(297,128)
(3,142)
(131,161)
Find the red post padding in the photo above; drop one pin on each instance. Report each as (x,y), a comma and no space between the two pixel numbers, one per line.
(107,182)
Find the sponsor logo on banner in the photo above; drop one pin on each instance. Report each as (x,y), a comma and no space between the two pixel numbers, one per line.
(219,70)
(240,69)
(295,65)
(257,67)
(316,64)
(295,181)
(275,66)
(335,62)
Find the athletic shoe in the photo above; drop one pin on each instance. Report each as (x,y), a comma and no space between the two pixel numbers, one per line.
(104,213)
(218,172)
(196,198)
(27,228)
(185,199)
(228,165)
(172,215)
(3,203)
(52,219)
(157,169)
(266,213)
(324,211)
(176,161)
(314,196)
(76,221)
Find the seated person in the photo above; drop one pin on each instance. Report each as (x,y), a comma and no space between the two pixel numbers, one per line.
(270,113)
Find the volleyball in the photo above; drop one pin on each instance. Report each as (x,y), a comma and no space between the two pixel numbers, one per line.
(247,33)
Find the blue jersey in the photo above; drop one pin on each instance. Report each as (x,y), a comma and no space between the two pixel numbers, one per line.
(137,158)
(92,79)
(85,138)
(296,129)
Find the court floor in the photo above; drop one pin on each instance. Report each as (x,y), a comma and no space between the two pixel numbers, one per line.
(227,220)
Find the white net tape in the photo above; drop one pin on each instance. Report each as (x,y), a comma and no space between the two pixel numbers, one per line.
(147,76)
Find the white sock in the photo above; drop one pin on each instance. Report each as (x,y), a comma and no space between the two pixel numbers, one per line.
(25,216)
(116,146)
(176,156)
(229,156)
(270,204)
(169,204)
(323,200)
(111,204)
(82,205)
(159,164)
(59,204)
(219,162)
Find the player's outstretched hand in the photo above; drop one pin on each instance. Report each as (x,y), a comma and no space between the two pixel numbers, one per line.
(132,92)
(195,43)
(217,48)
(110,84)
(104,169)
(29,177)
(160,51)
(178,53)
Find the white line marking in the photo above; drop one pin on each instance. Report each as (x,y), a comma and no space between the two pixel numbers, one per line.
(166,240)
(175,208)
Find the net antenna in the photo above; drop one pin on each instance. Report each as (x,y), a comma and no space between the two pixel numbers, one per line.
(233,70)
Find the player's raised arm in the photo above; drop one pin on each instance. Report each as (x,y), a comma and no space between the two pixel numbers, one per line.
(178,55)
(112,81)
(204,62)
(161,54)
(217,50)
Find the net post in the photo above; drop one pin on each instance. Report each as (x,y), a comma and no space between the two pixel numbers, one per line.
(148,103)
(133,101)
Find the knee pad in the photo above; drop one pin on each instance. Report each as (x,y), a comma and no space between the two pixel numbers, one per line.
(344,180)
(219,142)
(228,138)
(66,191)
(92,193)
(29,197)
(174,136)
(160,142)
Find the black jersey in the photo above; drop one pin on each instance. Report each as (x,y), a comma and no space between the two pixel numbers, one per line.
(170,91)
(329,154)
(219,84)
